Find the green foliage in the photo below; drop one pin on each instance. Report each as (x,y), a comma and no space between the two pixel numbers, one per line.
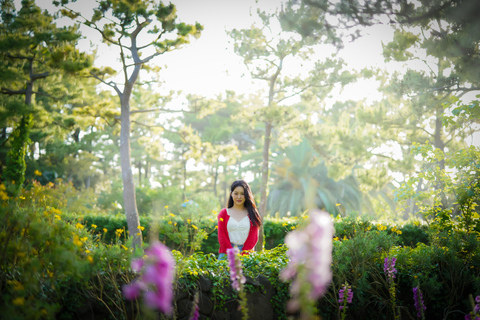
(303,180)
(40,252)
(14,173)
(53,258)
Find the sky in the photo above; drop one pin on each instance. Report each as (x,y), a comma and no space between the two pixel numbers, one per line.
(208,66)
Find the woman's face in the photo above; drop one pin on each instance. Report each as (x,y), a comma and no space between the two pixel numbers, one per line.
(238,195)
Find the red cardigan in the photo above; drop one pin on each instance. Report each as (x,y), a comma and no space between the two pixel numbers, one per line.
(224,239)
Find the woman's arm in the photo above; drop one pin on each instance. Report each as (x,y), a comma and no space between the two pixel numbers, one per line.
(223,238)
(252,238)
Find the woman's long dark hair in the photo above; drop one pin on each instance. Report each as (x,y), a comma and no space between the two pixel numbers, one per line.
(249,202)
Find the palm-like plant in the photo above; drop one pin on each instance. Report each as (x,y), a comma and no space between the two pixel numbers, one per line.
(303,181)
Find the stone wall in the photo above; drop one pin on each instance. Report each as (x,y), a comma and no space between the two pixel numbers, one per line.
(259,305)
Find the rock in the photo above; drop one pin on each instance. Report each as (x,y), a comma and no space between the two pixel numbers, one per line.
(266,287)
(205,305)
(181,294)
(259,308)
(220,315)
(184,308)
(205,284)
(252,282)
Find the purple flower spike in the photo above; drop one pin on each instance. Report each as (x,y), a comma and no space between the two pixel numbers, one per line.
(419,304)
(156,280)
(131,291)
(236,273)
(137,265)
(349,296)
(389,268)
(341,295)
(310,248)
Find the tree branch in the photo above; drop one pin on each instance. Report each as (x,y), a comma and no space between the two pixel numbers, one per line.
(40,76)
(154,126)
(110,84)
(12,92)
(296,93)
(151,43)
(159,109)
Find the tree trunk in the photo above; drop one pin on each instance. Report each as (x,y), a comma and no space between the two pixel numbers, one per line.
(129,199)
(147,168)
(263,185)
(439,143)
(139,165)
(184,180)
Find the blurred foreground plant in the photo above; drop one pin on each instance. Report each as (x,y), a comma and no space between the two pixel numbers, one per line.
(155,282)
(310,253)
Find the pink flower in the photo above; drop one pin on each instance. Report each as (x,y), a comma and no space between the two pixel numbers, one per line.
(236,273)
(389,268)
(156,280)
(310,249)
(137,265)
(131,291)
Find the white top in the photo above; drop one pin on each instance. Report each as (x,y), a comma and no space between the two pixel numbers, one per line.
(238,230)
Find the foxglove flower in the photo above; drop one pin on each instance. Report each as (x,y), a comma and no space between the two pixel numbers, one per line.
(310,250)
(419,304)
(195,312)
(341,296)
(236,272)
(389,268)
(156,280)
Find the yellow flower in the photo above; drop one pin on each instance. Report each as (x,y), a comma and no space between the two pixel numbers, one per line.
(87,251)
(166,207)
(335,239)
(79,225)
(18,301)
(90,259)
(186,200)
(338,204)
(119,231)
(50,274)
(125,248)
(18,286)
(84,239)
(21,197)
(76,241)
(169,222)
(105,230)
(292,227)
(37,173)
(284,224)
(171,214)
(194,227)
(214,212)
(94,226)
(216,227)
(369,227)
(141,228)
(221,219)
(58,217)
(345,238)
(175,224)
(188,220)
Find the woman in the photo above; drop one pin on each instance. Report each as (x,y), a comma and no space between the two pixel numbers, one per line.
(239,222)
